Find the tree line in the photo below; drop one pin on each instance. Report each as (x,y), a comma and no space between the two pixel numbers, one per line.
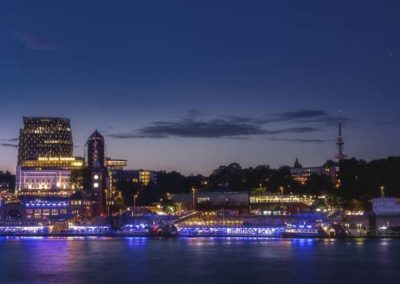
(358,181)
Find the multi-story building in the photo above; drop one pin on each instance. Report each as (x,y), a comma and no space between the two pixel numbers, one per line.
(45,157)
(302,174)
(133,176)
(44,137)
(43,174)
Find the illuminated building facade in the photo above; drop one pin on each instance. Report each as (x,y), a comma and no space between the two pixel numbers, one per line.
(44,137)
(303,174)
(58,208)
(46,176)
(264,199)
(54,162)
(145,177)
(33,182)
(134,176)
(113,164)
(46,209)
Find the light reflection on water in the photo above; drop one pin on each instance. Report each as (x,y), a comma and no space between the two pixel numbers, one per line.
(197,260)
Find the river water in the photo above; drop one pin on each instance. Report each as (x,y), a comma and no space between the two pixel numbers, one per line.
(198,260)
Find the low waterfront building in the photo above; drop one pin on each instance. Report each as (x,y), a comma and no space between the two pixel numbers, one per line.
(277,204)
(272,198)
(223,199)
(211,199)
(47,209)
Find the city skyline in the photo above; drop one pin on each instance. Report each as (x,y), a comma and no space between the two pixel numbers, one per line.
(222,83)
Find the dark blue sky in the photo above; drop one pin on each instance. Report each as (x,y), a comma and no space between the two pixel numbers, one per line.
(190,85)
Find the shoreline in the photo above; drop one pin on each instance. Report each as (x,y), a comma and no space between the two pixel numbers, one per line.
(117,236)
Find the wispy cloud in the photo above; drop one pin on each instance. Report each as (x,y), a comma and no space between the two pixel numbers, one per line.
(197,125)
(33,41)
(9,139)
(212,128)
(308,116)
(9,145)
(301,140)
(195,113)
(299,114)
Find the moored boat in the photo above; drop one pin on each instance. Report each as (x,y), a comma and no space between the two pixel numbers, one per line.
(166,231)
(303,231)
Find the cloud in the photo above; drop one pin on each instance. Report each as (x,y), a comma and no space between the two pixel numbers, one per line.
(301,140)
(214,128)
(309,116)
(195,124)
(195,113)
(232,127)
(9,145)
(299,114)
(9,139)
(33,41)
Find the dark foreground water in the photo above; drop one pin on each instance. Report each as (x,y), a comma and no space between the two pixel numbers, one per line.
(197,260)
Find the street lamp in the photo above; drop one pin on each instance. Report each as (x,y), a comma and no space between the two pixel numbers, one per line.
(193,198)
(382,188)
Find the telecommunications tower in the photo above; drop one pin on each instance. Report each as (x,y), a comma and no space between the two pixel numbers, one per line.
(339,142)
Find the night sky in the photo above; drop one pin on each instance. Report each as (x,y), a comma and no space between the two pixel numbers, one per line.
(190,85)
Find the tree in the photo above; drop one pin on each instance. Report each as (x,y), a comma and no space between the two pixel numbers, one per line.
(231,175)
(128,190)
(319,184)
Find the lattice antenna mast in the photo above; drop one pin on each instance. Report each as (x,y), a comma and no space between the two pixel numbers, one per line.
(339,142)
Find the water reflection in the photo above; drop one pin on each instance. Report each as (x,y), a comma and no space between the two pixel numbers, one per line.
(196,260)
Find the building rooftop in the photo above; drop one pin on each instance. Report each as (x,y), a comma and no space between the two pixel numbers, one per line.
(96,134)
